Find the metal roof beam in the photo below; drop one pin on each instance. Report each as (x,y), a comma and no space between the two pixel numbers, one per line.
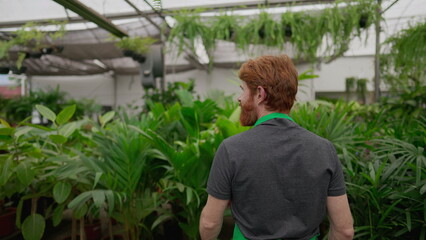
(92,16)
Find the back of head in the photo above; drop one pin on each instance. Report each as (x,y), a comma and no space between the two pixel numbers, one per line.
(277,75)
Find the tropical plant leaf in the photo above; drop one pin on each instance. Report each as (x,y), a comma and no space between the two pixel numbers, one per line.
(104,119)
(61,191)
(7,131)
(98,197)
(68,129)
(25,173)
(57,215)
(65,115)
(33,227)
(58,139)
(46,112)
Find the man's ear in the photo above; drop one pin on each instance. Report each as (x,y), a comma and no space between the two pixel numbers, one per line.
(261,94)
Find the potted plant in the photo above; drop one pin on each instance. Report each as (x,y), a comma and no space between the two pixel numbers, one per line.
(136,47)
(225,27)
(264,30)
(30,38)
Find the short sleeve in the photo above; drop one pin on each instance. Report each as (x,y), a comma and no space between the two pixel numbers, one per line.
(219,183)
(337,182)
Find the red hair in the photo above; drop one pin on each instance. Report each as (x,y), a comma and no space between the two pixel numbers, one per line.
(277,75)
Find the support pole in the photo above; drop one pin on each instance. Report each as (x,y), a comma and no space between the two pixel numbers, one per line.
(377,55)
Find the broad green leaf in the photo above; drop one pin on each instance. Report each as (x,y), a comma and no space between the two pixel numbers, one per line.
(65,115)
(68,129)
(61,191)
(180,187)
(80,211)
(98,197)
(21,131)
(5,171)
(423,189)
(188,195)
(160,219)
(46,112)
(185,97)
(38,127)
(25,173)
(80,199)
(104,119)
(235,116)
(7,131)
(4,123)
(57,215)
(58,139)
(110,198)
(33,227)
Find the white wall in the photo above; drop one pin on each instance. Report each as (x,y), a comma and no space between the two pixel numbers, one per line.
(98,87)
(332,76)
(129,89)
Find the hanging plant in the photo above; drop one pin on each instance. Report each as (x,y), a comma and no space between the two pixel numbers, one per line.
(32,39)
(306,33)
(189,27)
(361,89)
(403,64)
(265,30)
(136,47)
(333,27)
(225,27)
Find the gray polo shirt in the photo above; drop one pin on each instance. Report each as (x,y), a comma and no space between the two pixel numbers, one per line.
(278,176)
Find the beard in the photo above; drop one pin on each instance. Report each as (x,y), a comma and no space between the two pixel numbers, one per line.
(248,115)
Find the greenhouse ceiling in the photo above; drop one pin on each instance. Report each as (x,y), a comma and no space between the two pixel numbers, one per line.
(88,49)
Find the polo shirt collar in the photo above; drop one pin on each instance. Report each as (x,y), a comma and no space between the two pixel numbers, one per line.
(271,116)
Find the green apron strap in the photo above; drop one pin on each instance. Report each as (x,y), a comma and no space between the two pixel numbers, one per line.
(239,236)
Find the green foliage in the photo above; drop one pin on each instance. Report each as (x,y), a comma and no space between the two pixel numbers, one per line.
(136,44)
(147,170)
(172,94)
(335,26)
(403,65)
(384,160)
(17,109)
(31,38)
(33,227)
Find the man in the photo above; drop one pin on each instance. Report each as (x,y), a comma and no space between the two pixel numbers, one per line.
(280,178)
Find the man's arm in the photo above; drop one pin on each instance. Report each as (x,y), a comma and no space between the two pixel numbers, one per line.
(212,217)
(341,222)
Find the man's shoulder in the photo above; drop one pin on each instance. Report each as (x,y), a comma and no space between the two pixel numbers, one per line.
(240,137)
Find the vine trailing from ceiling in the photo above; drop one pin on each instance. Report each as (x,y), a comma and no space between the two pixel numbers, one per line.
(308,32)
(32,41)
(403,66)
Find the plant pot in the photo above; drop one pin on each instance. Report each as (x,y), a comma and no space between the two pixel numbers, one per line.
(287,31)
(261,32)
(93,231)
(128,53)
(4,70)
(47,50)
(363,21)
(7,222)
(15,70)
(139,58)
(36,54)
(115,236)
(58,49)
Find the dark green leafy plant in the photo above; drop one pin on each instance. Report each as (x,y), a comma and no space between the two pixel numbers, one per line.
(403,65)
